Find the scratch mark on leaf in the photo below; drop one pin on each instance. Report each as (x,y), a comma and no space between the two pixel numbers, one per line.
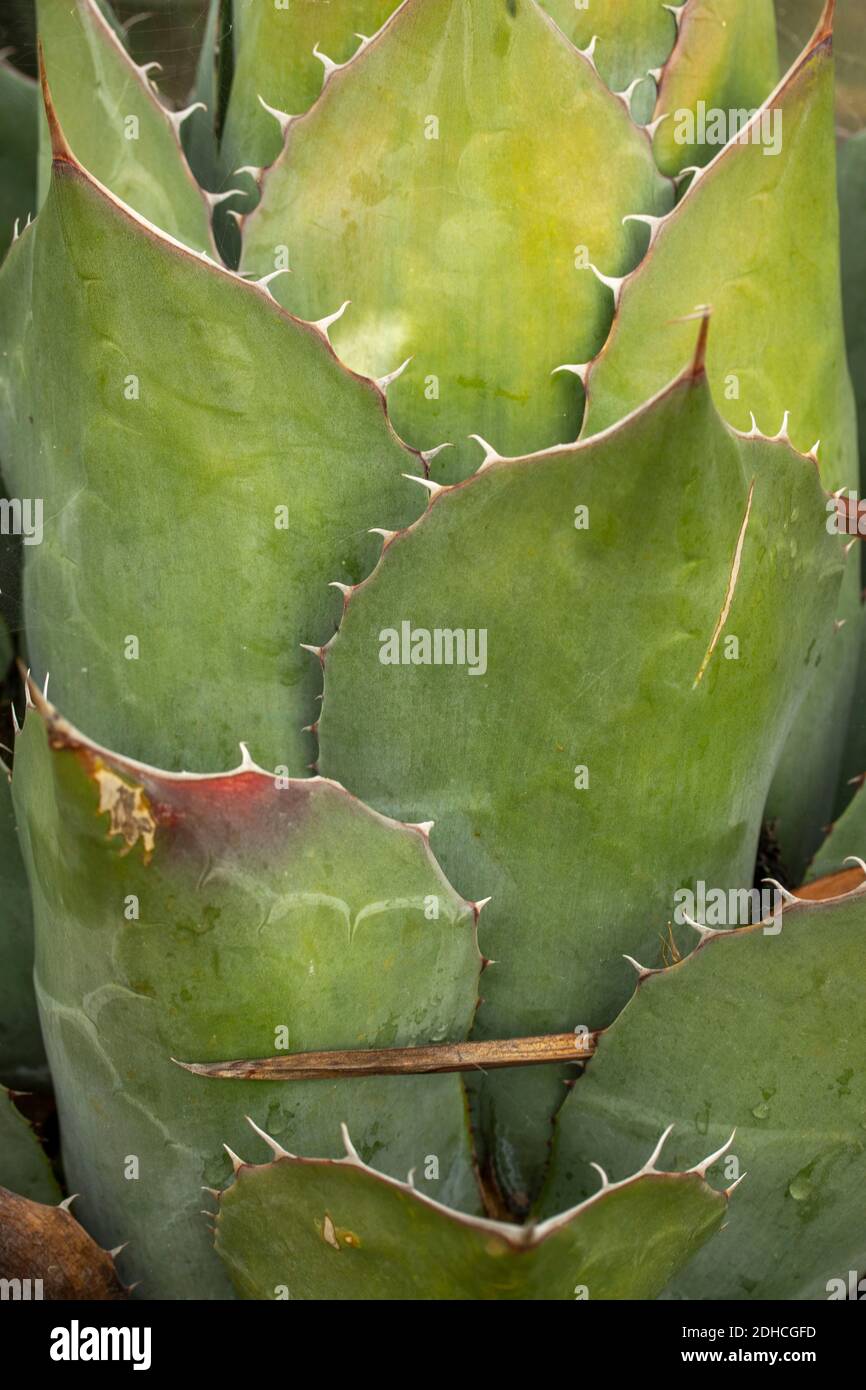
(729,596)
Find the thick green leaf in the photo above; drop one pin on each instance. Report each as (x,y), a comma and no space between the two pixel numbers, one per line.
(762,1031)
(853,763)
(852,201)
(631,38)
(606,649)
(852,204)
(274,61)
(777,347)
(207,469)
(115,123)
(464,229)
(209,918)
(22,1055)
(846,839)
(19,137)
(778,340)
(201,132)
(827,747)
(198,132)
(727,59)
(805,788)
(11,548)
(337,1230)
(24,1166)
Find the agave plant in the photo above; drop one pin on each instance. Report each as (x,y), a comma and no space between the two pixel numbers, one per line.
(469,439)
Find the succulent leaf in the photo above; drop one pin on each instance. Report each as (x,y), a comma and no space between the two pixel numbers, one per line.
(763,1031)
(19,137)
(626,658)
(317,1229)
(852,204)
(630,39)
(24,1165)
(199,917)
(198,133)
(115,122)
(727,58)
(548,773)
(22,1055)
(804,791)
(471,220)
(777,355)
(777,316)
(846,838)
(275,59)
(179,414)
(852,198)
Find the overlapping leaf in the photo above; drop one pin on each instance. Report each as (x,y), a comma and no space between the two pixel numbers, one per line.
(458,205)
(337,1230)
(763,1030)
(852,199)
(631,39)
(24,1165)
(22,1055)
(778,355)
(275,59)
(846,838)
(115,122)
(615,736)
(778,340)
(726,59)
(207,468)
(199,130)
(212,917)
(19,135)
(852,202)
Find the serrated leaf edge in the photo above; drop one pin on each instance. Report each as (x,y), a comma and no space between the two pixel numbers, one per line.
(691,375)
(519,1238)
(822,37)
(63,735)
(63,156)
(140,75)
